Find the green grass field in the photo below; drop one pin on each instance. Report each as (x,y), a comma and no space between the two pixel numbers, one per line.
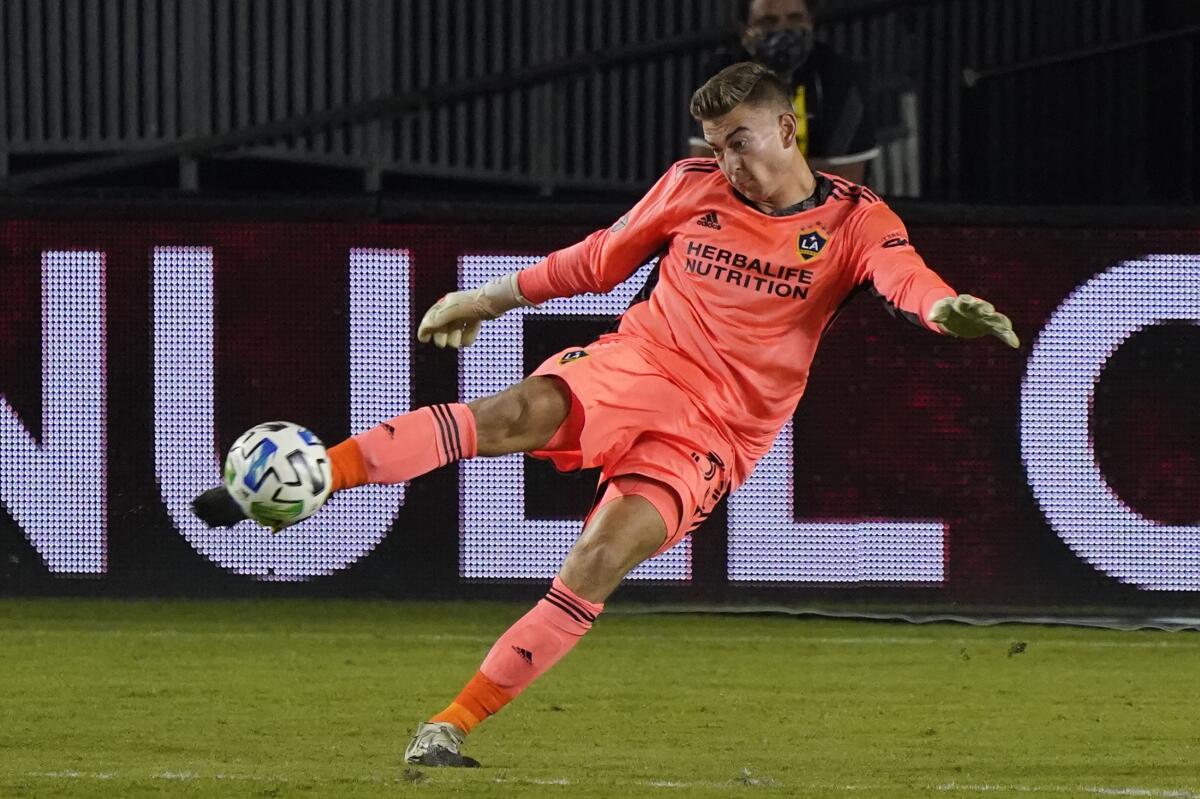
(317,699)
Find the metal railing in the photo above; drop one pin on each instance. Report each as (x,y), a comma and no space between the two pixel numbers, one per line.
(549,94)
(1112,122)
(87,76)
(926,44)
(374,111)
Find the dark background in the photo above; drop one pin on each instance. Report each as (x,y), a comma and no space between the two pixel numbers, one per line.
(896,421)
(1016,101)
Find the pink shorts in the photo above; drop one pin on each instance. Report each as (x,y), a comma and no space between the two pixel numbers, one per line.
(628,419)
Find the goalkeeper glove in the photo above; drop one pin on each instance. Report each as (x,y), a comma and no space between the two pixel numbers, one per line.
(454,319)
(970,317)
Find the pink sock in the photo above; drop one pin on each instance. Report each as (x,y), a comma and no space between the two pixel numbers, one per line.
(418,442)
(539,639)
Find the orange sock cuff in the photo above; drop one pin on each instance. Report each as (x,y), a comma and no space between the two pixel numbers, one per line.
(479,699)
(459,716)
(347,465)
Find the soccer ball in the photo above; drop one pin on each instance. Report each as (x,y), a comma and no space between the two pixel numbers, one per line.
(278,473)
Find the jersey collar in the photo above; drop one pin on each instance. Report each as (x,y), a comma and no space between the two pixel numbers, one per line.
(820,194)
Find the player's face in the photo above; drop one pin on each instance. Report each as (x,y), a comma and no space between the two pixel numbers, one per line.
(754,145)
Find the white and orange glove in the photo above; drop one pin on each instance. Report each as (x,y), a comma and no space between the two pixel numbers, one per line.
(966,316)
(454,320)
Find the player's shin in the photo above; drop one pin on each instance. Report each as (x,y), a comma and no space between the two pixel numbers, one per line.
(405,447)
(528,649)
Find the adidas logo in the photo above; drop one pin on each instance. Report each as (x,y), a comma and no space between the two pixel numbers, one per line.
(525,654)
(709,220)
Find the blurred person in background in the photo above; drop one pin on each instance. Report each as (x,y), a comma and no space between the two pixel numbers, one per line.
(835,131)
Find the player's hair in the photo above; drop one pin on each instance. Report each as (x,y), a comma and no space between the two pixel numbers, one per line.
(744,82)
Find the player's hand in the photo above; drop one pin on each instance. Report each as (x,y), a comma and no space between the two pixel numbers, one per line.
(970,317)
(454,320)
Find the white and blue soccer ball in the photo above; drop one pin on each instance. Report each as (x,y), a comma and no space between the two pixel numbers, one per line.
(278,472)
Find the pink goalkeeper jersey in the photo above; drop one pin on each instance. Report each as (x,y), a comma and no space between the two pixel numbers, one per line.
(742,297)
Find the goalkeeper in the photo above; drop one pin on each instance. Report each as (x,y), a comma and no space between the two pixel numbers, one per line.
(758,255)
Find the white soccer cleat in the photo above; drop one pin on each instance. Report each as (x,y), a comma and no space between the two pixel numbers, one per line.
(436,743)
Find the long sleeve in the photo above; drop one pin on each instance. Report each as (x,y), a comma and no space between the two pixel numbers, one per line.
(891,267)
(607,257)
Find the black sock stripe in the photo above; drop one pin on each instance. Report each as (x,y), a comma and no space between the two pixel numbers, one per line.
(454,429)
(566,609)
(442,438)
(455,441)
(447,441)
(573,603)
(446,424)
(588,617)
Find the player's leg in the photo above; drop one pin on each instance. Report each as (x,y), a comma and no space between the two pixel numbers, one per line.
(523,417)
(629,524)
(634,422)
(520,418)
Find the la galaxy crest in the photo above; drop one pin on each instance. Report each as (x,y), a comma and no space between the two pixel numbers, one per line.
(811,242)
(573,355)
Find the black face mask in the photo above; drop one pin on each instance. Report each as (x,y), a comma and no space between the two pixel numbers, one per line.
(784,51)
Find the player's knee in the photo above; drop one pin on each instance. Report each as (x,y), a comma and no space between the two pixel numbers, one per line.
(497,421)
(547,401)
(520,417)
(621,534)
(627,534)
(602,558)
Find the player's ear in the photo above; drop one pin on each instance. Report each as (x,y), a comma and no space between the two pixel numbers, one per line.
(787,129)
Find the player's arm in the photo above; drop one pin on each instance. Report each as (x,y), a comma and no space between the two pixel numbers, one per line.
(891,266)
(600,262)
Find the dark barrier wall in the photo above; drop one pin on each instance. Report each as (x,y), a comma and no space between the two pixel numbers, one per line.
(918,469)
